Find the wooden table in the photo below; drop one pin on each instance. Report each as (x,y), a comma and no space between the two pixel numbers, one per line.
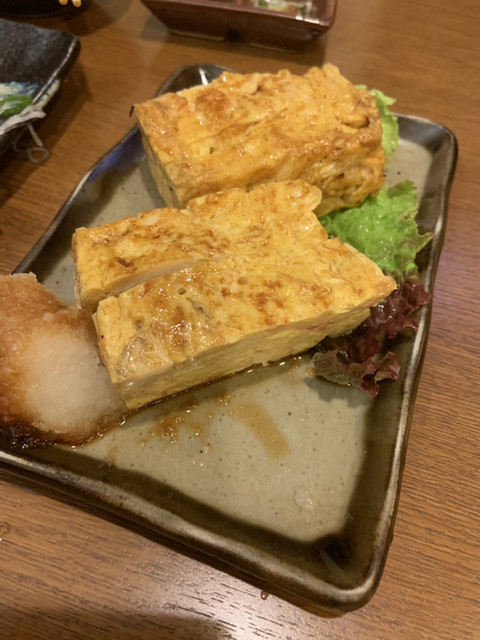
(67,572)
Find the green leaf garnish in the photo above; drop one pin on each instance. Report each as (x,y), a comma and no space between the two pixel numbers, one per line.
(12,105)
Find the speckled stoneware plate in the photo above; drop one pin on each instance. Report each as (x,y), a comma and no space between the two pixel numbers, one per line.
(281,476)
(33,61)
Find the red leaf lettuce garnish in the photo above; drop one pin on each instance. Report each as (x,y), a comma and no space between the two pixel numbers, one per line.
(355,359)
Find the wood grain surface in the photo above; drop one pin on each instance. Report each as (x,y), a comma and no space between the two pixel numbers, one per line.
(66,570)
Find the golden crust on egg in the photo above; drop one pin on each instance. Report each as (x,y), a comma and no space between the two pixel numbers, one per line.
(218,317)
(242,130)
(116,256)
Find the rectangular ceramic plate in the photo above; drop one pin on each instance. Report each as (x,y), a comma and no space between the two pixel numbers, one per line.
(275,24)
(35,58)
(289,479)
